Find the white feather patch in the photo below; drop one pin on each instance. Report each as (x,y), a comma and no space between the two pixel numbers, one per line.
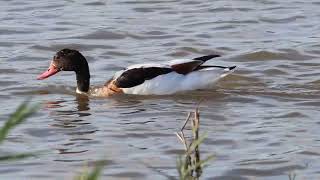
(179,61)
(173,82)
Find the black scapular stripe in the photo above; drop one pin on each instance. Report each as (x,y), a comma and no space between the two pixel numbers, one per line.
(137,76)
(206,58)
(221,67)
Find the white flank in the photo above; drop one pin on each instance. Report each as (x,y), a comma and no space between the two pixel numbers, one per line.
(180,61)
(147,65)
(173,82)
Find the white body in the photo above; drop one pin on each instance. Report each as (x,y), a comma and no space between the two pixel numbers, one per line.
(173,82)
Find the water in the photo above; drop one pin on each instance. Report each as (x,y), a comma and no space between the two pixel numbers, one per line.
(262,121)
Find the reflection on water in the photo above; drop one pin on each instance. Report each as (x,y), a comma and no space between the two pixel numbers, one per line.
(262,121)
(83,104)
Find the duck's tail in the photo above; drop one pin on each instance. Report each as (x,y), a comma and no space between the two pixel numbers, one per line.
(206,76)
(206,58)
(222,70)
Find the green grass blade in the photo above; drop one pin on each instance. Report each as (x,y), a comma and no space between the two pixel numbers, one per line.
(19,116)
(196,143)
(94,174)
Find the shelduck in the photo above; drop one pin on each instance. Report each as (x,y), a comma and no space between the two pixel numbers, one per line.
(144,79)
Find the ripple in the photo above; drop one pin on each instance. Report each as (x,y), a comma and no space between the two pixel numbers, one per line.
(80,47)
(67,151)
(11,31)
(274,72)
(242,82)
(263,162)
(7,83)
(11,170)
(307,64)
(268,55)
(96,3)
(292,115)
(230,9)
(281,20)
(185,51)
(35,132)
(128,175)
(149,2)
(310,153)
(257,132)
(7,44)
(265,172)
(147,10)
(309,103)
(118,53)
(225,142)
(254,117)
(157,33)
(102,34)
(142,37)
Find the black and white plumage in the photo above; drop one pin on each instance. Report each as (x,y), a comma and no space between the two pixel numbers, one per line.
(154,78)
(170,77)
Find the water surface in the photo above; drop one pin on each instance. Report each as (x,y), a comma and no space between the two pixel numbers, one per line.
(262,121)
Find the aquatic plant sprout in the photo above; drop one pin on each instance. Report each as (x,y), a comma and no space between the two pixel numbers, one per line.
(24,111)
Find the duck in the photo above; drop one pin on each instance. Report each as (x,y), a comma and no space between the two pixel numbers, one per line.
(164,78)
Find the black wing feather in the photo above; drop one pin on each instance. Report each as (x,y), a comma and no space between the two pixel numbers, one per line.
(222,67)
(206,58)
(137,76)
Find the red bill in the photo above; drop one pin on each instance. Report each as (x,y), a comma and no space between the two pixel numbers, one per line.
(51,71)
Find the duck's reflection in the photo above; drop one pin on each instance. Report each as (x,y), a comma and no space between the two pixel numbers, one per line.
(82,105)
(70,119)
(53,104)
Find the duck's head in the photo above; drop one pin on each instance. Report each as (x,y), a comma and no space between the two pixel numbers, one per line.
(70,60)
(65,60)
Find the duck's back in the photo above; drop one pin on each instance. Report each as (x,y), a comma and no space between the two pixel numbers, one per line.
(170,77)
(174,82)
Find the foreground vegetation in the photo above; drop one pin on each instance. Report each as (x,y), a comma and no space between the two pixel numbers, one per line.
(24,111)
(189,165)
